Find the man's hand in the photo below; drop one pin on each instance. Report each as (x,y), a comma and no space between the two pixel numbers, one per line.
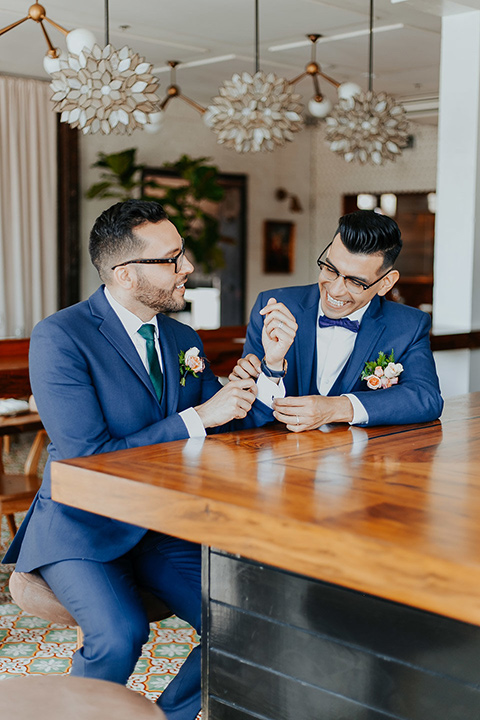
(279,330)
(246,367)
(231,402)
(311,411)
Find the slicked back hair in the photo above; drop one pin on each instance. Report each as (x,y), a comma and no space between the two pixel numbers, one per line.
(370,233)
(113,240)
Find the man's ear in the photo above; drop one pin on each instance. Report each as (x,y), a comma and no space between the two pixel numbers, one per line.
(124,276)
(388,282)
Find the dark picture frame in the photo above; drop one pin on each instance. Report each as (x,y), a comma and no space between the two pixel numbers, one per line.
(278,246)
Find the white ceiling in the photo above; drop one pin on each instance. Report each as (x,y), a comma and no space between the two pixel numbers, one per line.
(406,59)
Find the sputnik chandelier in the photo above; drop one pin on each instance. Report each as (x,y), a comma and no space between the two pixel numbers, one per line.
(368,127)
(157,117)
(257,112)
(319,106)
(75,39)
(96,89)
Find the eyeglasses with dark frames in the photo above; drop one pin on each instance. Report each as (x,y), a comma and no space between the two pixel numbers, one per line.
(177,260)
(353,284)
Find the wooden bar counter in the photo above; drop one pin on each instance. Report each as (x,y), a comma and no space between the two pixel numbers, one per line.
(341,566)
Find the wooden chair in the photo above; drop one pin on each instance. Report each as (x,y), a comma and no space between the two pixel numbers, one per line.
(18,490)
(57,697)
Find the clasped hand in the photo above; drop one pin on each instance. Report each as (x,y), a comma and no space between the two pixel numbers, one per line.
(308,412)
(232,402)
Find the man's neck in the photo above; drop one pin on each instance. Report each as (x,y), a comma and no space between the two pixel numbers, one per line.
(145,314)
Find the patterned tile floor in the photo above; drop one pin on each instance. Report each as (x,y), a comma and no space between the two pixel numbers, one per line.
(29,645)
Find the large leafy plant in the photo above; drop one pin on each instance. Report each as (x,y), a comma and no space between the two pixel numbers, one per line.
(185,203)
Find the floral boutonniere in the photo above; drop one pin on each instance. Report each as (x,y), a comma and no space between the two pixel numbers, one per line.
(382,372)
(190,362)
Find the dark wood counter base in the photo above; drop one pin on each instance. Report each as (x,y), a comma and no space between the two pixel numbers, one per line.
(280,646)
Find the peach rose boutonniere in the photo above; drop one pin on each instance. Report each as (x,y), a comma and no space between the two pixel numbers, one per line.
(382,372)
(190,362)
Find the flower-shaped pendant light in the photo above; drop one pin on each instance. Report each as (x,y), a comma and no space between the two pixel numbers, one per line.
(104,90)
(257,112)
(368,127)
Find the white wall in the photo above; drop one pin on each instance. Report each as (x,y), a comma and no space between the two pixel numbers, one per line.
(184,132)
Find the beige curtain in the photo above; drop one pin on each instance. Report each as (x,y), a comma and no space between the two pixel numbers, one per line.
(28,205)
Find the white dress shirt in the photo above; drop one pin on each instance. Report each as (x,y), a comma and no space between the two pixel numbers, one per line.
(334,347)
(132,324)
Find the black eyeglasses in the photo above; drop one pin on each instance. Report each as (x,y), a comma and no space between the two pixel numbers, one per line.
(352,284)
(177,260)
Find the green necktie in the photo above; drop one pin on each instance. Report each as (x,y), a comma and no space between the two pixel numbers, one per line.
(156,376)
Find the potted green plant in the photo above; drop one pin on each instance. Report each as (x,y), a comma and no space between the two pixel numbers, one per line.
(121,178)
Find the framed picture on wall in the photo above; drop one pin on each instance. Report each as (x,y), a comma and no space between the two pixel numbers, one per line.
(278,246)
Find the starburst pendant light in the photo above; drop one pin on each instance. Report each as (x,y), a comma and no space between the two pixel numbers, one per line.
(254,113)
(103,89)
(368,127)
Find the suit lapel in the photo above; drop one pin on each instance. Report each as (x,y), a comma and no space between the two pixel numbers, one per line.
(171,367)
(371,328)
(306,340)
(113,330)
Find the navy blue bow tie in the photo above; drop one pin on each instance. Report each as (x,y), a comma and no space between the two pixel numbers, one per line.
(352,325)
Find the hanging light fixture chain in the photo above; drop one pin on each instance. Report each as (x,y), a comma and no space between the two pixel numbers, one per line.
(370,50)
(107,24)
(257,52)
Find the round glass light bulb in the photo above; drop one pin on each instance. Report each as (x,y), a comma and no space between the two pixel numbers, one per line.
(319,109)
(51,65)
(207,119)
(348,89)
(155,122)
(78,39)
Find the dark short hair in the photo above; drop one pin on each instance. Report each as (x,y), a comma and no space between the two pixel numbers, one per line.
(112,239)
(368,232)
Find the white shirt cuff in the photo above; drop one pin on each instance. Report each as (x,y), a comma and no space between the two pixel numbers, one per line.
(194,425)
(269,390)
(360,415)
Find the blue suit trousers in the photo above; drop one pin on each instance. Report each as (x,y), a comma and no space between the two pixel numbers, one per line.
(103,597)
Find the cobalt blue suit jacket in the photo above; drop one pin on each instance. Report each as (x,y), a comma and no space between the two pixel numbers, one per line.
(385,326)
(94,395)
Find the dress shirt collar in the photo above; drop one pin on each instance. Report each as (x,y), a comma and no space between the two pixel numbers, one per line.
(129,320)
(357,315)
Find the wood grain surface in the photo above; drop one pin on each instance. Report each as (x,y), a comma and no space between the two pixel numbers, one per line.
(25,422)
(391,511)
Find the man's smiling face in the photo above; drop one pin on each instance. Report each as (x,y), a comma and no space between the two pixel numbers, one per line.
(337,301)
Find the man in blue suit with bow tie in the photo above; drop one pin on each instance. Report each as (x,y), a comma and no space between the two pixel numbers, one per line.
(316,339)
(111,373)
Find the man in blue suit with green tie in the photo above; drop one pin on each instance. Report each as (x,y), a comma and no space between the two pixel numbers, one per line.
(111,373)
(316,340)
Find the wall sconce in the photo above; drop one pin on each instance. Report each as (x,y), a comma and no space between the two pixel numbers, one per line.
(294,202)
